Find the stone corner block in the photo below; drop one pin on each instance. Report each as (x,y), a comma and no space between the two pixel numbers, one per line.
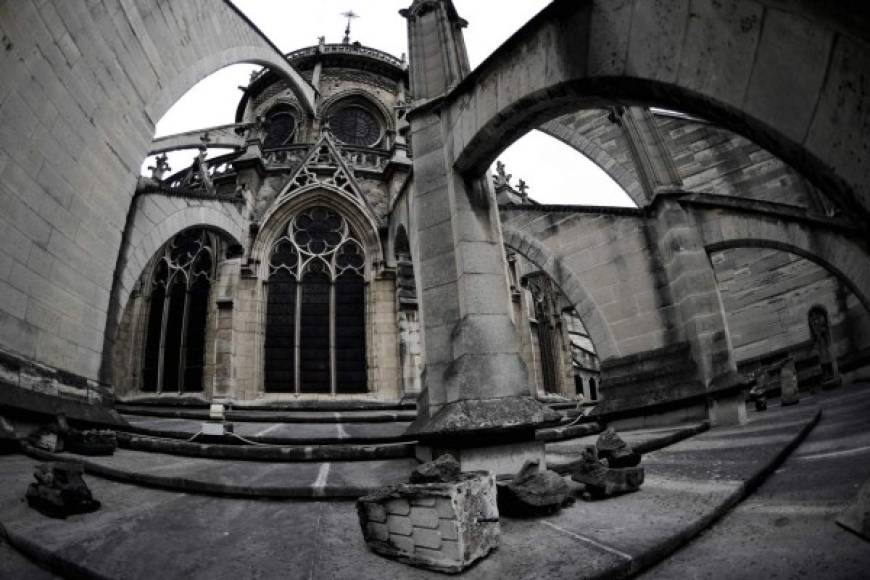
(447,526)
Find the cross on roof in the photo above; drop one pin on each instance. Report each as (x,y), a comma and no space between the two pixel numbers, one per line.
(350,15)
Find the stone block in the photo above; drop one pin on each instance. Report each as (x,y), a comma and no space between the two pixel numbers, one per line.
(60,491)
(400,525)
(448,529)
(427,538)
(378,531)
(399,506)
(376,513)
(856,518)
(424,501)
(463,516)
(423,517)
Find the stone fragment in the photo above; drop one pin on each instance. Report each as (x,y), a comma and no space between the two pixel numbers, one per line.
(47,439)
(614,450)
(532,492)
(758,393)
(463,526)
(601,481)
(444,469)
(856,518)
(60,491)
(788,384)
(90,442)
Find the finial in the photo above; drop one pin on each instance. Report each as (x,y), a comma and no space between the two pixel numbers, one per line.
(523,188)
(502,178)
(160,167)
(350,14)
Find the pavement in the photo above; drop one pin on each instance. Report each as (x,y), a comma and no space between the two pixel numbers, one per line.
(786,529)
(141,532)
(279,432)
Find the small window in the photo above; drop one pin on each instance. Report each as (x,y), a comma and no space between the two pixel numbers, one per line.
(354,125)
(280,128)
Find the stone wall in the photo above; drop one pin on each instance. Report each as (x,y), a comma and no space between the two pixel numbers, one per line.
(615,283)
(711,159)
(767,294)
(83,86)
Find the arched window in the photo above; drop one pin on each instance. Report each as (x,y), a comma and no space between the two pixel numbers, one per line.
(280,127)
(178,312)
(315,311)
(547,317)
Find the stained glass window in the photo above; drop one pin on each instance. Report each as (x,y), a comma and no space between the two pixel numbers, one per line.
(280,127)
(178,312)
(355,126)
(315,321)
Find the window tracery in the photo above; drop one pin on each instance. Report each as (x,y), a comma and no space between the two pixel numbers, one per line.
(315,339)
(179,294)
(280,127)
(354,125)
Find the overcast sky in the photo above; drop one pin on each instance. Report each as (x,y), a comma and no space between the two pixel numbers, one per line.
(555,172)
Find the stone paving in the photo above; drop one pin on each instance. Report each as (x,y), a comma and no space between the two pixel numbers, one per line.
(288,433)
(141,531)
(786,529)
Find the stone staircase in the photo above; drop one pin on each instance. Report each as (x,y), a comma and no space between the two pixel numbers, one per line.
(300,449)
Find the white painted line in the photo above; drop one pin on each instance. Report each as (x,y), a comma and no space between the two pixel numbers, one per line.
(843,453)
(320,482)
(342,434)
(599,545)
(269,429)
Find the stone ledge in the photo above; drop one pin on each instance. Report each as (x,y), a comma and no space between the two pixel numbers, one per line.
(459,419)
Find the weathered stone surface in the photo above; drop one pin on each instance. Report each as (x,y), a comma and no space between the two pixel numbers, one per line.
(443,469)
(60,491)
(447,526)
(47,439)
(601,481)
(90,442)
(856,518)
(614,450)
(476,415)
(532,492)
(788,383)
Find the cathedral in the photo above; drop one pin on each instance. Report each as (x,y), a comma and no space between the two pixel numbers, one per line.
(357,286)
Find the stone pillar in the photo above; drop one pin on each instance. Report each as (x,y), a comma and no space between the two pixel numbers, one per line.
(691,279)
(695,293)
(476,383)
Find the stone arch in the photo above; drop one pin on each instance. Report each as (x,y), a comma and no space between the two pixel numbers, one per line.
(808,110)
(571,286)
(625,177)
(165,98)
(145,243)
(363,224)
(836,253)
(108,124)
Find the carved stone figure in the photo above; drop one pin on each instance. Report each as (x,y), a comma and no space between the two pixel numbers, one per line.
(533,492)
(788,383)
(60,491)
(820,331)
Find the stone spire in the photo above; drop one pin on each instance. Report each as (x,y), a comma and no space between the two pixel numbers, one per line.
(438,58)
(350,15)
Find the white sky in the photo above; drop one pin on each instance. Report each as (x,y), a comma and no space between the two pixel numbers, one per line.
(555,172)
